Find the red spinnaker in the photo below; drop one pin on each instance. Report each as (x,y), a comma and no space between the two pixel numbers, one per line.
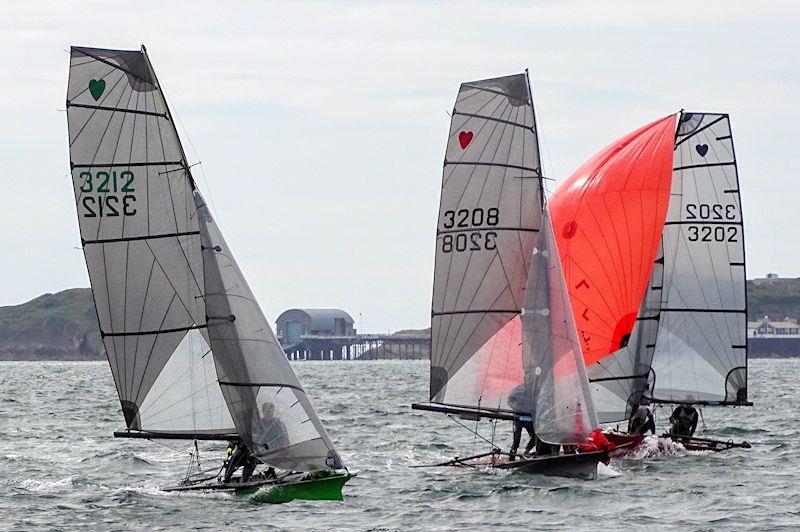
(608,218)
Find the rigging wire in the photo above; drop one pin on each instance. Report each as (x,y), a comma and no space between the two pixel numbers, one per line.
(475,432)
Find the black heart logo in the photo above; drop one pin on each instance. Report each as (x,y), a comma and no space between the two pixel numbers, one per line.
(702,149)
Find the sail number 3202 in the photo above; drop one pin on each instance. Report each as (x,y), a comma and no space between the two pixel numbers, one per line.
(470,241)
(713,212)
(107,194)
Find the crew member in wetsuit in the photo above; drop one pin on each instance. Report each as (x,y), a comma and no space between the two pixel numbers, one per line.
(683,420)
(641,421)
(519,401)
(239,455)
(267,431)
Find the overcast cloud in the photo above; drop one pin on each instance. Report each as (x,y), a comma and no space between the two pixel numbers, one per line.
(321,126)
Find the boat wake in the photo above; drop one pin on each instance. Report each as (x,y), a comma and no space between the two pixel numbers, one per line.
(655,447)
(606,471)
(50,486)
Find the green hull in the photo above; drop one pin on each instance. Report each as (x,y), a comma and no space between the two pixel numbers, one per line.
(324,487)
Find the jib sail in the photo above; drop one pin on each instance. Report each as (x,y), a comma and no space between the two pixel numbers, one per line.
(555,374)
(489,216)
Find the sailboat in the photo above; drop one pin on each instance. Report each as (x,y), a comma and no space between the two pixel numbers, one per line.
(651,239)
(493,240)
(191,353)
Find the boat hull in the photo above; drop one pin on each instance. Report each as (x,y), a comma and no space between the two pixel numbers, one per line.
(578,465)
(624,442)
(309,486)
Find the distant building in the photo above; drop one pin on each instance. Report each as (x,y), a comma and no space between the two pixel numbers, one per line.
(771,278)
(766,328)
(295,323)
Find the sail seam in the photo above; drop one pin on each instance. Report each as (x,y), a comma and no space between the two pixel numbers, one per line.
(624,377)
(705,165)
(115,109)
(470,229)
(484,117)
(709,310)
(451,312)
(487,163)
(264,384)
(701,222)
(155,331)
(133,238)
(127,164)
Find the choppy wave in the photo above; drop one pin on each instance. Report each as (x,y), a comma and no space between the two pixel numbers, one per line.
(60,467)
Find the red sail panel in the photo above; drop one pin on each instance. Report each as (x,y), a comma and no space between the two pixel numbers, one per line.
(608,218)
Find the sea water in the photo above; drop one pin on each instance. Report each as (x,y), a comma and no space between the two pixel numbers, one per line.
(61,468)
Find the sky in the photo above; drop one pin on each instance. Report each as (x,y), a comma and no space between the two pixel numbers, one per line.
(320,127)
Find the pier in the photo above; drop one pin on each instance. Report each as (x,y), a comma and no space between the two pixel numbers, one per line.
(329,334)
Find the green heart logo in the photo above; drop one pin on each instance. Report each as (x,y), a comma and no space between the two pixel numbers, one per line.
(96,88)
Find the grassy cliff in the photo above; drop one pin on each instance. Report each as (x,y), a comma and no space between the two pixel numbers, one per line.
(63,326)
(60,326)
(777,299)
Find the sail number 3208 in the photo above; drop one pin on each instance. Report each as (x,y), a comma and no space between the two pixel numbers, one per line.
(470,241)
(107,194)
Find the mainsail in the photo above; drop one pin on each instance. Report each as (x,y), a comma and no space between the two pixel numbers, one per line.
(701,348)
(190,351)
(608,217)
(489,216)
(555,374)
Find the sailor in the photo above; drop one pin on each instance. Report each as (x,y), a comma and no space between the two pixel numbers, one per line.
(270,432)
(683,420)
(239,455)
(641,421)
(519,401)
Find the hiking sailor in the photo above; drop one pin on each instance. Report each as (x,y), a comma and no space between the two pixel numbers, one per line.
(641,421)
(683,420)
(519,401)
(239,455)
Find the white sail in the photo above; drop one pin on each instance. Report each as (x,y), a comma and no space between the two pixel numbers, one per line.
(141,240)
(554,369)
(191,352)
(489,215)
(701,348)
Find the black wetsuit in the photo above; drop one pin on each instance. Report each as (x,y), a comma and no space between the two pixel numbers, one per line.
(641,422)
(241,457)
(684,420)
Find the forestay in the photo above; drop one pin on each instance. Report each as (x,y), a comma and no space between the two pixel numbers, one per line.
(701,352)
(554,369)
(489,215)
(173,309)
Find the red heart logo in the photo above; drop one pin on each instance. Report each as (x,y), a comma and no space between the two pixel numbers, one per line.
(464,138)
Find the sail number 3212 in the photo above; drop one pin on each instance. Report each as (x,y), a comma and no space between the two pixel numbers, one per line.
(478,240)
(108,194)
